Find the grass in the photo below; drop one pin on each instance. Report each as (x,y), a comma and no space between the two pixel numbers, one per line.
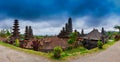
(25,50)
(80,51)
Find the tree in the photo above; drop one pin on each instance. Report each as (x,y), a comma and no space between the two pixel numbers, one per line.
(72,41)
(57,52)
(100,44)
(117,27)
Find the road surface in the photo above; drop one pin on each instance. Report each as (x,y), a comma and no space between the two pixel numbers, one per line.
(112,54)
(10,55)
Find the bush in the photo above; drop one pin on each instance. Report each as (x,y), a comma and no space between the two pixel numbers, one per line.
(36,45)
(70,41)
(17,43)
(100,44)
(57,52)
(69,48)
(117,37)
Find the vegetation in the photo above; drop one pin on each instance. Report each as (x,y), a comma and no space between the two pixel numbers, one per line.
(117,27)
(57,52)
(117,37)
(67,54)
(36,45)
(25,50)
(39,37)
(17,43)
(100,44)
(5,33)
(72,41)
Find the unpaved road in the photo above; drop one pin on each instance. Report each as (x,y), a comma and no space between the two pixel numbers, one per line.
(112,54)
(9,55)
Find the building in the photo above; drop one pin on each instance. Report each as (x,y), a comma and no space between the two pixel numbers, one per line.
(91,39)
(67,30)
(15,34)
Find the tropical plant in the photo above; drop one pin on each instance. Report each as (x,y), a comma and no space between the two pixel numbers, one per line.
(100,44)
(117,37)
(36,45)
(117,27)
(17,43)
(73,37)
(57,52)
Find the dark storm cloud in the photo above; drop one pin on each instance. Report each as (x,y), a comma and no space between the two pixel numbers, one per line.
(42,9)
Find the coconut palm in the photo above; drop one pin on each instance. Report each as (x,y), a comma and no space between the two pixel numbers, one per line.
(117,27)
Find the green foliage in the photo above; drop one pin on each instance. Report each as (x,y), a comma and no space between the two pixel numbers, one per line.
(117,37)
(69,48)
(100,44)
(79,51)
(57,52)
(8,33)
(39,37)
(17,43)
(70,41)
(74,52)
(117,27)
(73,37)
(5,33)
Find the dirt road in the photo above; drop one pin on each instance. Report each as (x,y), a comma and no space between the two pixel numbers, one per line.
(9,55)
(112,54)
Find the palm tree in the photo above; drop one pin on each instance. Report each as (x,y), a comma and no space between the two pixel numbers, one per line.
(117,27)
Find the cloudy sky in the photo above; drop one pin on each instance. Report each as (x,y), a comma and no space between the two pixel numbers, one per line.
(49,16)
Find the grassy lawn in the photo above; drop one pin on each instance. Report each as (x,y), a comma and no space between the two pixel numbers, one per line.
(65,54)
(83,51)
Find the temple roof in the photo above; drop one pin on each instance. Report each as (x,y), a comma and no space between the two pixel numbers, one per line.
(93,35)
(51,42)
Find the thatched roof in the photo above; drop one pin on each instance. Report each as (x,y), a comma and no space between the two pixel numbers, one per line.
(49,43)
(93,35)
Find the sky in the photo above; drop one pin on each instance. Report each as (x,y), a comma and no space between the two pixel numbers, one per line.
(47,17)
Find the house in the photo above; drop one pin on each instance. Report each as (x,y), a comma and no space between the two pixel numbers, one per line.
(91,39)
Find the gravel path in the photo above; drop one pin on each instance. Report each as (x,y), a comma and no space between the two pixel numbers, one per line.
(9,55)
(112,54)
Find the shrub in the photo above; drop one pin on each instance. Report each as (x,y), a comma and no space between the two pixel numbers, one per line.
(100,44)
(70,47)
(17,43)
(57,52)
(70,41)
(36,45)
(117,37)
